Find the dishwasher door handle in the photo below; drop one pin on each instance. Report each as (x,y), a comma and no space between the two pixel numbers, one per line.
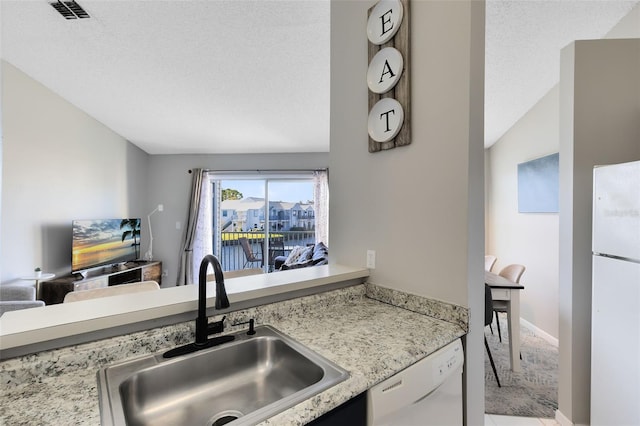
(392,386)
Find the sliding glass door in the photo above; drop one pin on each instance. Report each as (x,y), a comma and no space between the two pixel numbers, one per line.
(257,219)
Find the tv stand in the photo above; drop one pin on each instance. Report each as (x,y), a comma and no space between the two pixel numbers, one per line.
(53,291)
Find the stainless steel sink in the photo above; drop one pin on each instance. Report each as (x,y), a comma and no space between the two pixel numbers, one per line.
(242,382)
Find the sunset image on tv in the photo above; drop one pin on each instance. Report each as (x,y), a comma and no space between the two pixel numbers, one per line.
(104,241)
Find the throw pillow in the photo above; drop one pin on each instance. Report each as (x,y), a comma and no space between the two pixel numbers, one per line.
(320,254)
(306,255)
(294,255)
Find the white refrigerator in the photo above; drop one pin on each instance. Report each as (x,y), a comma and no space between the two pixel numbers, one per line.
(615,309)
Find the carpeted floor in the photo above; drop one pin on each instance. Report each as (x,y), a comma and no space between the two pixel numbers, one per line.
(533,392)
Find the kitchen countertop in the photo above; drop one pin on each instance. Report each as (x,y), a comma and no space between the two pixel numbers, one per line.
(36,327)
(372,339)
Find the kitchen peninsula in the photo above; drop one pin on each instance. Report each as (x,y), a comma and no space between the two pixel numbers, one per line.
(371,331)
(49,327)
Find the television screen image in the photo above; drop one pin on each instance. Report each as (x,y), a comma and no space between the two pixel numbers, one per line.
(102,242)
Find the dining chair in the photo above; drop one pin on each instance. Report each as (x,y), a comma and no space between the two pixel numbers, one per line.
(276,248)
(489,261)
(488,316)
(512,273)
(249,254)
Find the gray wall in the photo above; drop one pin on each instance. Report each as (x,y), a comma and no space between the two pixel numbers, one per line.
(170,184)
(59,164)
(375,198)
(599,124)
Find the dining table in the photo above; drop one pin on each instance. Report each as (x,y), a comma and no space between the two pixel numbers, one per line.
(509,291)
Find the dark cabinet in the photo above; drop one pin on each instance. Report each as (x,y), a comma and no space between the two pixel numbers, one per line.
(351,413)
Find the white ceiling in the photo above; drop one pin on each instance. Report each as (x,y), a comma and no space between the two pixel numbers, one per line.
(522,50)
(241,76)
(233,76)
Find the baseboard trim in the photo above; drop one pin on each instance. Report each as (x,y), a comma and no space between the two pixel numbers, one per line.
(540,332)
(564,421)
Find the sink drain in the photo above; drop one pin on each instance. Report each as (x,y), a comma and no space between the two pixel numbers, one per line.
(225,417)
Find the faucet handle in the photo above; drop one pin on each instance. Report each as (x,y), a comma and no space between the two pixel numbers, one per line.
(216,326)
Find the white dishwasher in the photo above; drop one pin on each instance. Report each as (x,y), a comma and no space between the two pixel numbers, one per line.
(428,392)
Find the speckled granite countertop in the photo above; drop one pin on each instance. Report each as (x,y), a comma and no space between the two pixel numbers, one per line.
(360,328)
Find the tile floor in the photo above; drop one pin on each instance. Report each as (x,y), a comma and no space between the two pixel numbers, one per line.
(495,420)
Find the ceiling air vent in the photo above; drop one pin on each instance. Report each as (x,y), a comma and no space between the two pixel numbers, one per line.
(70,9)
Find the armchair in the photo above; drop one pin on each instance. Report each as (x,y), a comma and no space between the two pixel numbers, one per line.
(15,297)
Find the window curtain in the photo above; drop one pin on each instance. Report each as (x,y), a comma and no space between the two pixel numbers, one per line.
(321,204)
(203,237)
(185,266)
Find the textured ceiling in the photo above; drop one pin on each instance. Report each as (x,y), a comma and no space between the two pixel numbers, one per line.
(240,76)
(522,50)
(232,76)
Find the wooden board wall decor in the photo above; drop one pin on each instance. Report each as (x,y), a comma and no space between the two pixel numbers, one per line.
(388,75)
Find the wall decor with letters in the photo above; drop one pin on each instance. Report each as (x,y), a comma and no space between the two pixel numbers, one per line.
(389,123)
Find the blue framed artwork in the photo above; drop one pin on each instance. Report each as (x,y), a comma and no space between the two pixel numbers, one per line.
(538,185)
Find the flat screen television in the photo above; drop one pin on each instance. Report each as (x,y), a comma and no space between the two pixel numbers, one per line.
(100,242)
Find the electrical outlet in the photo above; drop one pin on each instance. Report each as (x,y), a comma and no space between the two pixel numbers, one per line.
(165,272)
(371,259)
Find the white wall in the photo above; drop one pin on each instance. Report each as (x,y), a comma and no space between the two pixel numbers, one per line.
(628,27)
(599,124)
(59,164)
(170,185)
(530,239)
(375,198)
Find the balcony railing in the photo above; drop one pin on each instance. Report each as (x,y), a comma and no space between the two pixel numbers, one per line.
(232,256)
